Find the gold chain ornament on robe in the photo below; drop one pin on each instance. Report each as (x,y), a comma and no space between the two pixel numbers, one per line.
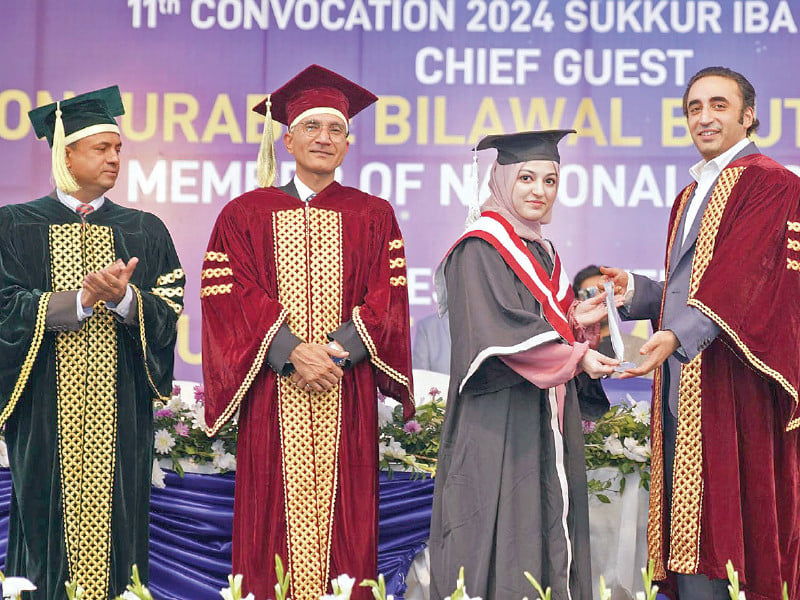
(309,266)
(86,362)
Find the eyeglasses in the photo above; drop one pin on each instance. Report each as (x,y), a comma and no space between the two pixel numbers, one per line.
(313,129)
(586,293)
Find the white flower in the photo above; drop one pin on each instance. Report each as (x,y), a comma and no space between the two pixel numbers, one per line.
(391,450)
(175,404)
(640,411)
(14,586)
(129,595)
(157,478)
(3,454)
(342,587)
(234,590)
(164,441)
(612,445)
(634,451)
(226,462)
(198,416)
(385,415)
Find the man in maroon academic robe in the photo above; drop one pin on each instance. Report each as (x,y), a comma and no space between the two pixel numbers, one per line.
(305,314)
(726,448)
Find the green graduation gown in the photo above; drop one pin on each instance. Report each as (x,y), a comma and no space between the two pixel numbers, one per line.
(76,399)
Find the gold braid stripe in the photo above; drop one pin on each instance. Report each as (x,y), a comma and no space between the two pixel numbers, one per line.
(168,278)
(220,272)
(793,226)
(216,257)
(687,491)
(258,361)
(793,264)
(793,244)
(143,339)
(86,376)
(173,305)
(397,263)
(373,353)
(167,292)
(215,290)
(30,357)
(309,263)
(396,244)
(655,521)
(399,280)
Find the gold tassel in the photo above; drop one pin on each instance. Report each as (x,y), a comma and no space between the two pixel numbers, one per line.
(61,175)
(266,166)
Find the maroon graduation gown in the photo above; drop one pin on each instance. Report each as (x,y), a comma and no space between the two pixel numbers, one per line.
(307,463)
(736,488)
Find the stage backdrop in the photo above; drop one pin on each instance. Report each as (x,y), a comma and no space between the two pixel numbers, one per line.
(447,72)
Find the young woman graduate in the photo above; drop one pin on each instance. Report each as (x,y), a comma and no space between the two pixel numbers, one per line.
(510,491)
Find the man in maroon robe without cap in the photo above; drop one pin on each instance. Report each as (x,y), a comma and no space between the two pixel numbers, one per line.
(726,425)
(305,314)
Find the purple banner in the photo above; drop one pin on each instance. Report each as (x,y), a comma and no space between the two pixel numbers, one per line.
(447,71)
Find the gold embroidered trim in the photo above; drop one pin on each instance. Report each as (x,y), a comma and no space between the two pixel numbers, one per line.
(655,521)
(399,280)
(396,244)
(793,226)
(177,308)
(373,353)
(143,340)
(310,287)
(793,244)
(793,264)
(219,272)
(216,257)
(397,263)
(168,278)
(752,359)
(215,290)
(687,495)
(86,376)
(255,367)
(30,357)
(168,292)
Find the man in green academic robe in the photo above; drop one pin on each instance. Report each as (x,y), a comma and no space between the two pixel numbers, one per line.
(90,293)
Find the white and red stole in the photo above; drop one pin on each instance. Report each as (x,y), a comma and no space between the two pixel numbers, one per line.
(553,292)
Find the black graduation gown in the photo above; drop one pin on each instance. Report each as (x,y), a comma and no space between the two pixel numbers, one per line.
(510,493)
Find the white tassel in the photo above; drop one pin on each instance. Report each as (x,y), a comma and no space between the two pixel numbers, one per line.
(61,174)
(474,212)
(267,164)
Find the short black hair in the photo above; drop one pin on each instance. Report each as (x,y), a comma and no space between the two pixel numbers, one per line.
(583,275)
(746,89)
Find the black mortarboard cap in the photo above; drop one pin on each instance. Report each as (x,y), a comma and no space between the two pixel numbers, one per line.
(526,145)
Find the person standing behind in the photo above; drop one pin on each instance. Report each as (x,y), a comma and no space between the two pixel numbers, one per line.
(511,492)
(90,294)
(726,448)
(305,312)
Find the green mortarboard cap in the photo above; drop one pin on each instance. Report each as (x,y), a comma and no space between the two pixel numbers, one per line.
(82,115)
(524,146)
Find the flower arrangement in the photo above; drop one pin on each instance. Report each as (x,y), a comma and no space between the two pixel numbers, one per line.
(180,433)
(413,444)
(620,439)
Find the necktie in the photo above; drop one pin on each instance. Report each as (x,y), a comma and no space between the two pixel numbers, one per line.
(311,197)
(83,210)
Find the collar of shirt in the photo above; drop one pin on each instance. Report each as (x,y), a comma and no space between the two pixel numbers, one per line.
(714,166)
(303,190)
(72,203)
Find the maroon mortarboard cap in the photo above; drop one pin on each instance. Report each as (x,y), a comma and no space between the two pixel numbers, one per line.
(313,88)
